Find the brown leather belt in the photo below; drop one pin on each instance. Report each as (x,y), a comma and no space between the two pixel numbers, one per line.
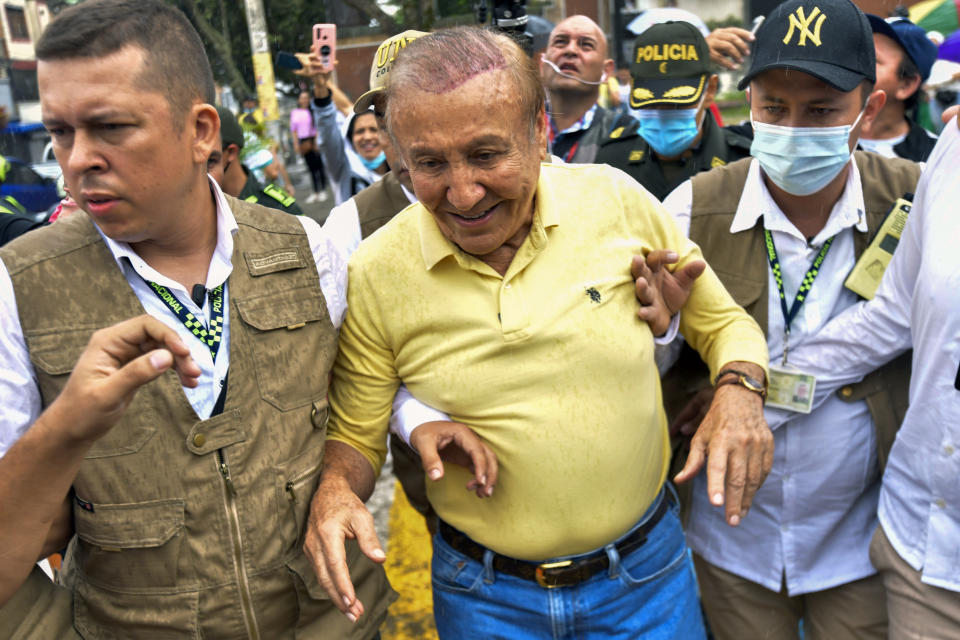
(563,573)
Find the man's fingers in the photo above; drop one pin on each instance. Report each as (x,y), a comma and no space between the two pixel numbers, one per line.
(695,460)
(430,456)
(658,258)
(735,484)
(484,468)
(716,474)
(644,291)
(689,273)
(140,371)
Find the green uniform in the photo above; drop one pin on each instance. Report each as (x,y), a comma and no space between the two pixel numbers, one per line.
(269,196)
(626,150)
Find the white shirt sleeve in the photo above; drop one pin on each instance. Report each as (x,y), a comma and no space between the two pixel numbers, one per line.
(409,413)
(20,403)
(343,226)
(331,259)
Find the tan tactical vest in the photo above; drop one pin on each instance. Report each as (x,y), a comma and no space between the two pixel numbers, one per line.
(740,261)
(189,528)
(378,203)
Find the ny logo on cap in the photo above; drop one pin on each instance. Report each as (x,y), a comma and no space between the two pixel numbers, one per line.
(801,23)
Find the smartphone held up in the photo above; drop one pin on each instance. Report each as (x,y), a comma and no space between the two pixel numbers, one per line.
(325,44)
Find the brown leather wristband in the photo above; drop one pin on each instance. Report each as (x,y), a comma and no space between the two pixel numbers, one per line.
(740,378)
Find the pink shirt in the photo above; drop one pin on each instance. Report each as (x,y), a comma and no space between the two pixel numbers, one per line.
(301,124)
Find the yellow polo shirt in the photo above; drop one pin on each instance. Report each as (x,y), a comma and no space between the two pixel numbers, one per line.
(549,364)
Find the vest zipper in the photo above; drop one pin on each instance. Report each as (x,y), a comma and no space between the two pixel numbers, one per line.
(236,542)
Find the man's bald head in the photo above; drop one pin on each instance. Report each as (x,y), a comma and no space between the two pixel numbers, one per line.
(575,59)
(581,24)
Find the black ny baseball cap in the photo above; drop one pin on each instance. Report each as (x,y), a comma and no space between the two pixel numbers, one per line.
(230,131)
(829,39)
(671,65)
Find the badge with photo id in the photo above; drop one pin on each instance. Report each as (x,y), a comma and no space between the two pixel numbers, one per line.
(791,390)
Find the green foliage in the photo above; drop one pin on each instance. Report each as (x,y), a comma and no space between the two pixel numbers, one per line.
(729,21)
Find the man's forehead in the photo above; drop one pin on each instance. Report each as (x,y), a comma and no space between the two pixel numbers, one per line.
(579,26)
(787,85)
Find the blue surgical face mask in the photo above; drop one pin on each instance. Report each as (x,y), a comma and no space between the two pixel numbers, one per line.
(375,163)
(669,132)
(801,160)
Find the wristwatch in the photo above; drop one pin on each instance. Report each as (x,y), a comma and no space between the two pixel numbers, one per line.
(742,379)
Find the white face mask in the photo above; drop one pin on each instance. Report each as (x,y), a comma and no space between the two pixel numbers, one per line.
(802,160)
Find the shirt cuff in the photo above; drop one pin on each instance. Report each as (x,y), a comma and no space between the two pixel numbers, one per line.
(409,413)
(671,332)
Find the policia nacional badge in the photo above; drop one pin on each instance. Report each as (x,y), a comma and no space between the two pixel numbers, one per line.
(790,388)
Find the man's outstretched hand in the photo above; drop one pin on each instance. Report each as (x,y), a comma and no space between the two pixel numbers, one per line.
(660,292)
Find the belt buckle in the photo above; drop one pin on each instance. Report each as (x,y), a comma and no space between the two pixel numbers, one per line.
(543,579)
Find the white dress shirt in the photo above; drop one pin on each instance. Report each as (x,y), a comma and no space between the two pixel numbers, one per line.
(812,519)
(916,305)
(20,402)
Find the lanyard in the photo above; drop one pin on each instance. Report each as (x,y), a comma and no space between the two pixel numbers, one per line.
(552,134)
(805,286)
(209,336)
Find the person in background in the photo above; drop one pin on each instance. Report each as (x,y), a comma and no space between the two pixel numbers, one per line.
(301,125)
(572,69)
(676,135)
(235,179)
(351,150)
(259,153)
(904,58)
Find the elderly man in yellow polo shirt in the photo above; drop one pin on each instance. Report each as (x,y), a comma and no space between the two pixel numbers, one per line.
(505,299)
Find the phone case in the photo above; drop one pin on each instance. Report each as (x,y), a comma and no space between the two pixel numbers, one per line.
(325,44)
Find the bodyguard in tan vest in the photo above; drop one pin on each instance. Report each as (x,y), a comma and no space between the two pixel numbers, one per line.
(783,230)
(186,517)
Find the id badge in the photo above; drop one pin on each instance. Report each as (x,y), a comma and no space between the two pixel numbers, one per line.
(791,390)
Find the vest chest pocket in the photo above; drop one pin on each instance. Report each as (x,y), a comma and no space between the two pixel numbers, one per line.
(290,337)
(54,354)
(132,548)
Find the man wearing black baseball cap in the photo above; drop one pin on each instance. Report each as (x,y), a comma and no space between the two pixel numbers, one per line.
(783,230)
(676,136)
(904,58)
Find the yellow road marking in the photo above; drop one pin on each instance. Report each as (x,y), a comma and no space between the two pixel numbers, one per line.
(408,567)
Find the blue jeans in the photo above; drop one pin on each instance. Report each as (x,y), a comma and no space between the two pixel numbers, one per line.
(650,594)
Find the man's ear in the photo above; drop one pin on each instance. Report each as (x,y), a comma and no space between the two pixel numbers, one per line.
(230,154)
(203,125)
(540,133)
(906,87)
(874,105)
(609,68)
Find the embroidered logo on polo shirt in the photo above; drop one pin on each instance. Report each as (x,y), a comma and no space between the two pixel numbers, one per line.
(594,295)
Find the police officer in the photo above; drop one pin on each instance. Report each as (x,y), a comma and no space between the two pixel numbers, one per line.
(237,180)
(677,135)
